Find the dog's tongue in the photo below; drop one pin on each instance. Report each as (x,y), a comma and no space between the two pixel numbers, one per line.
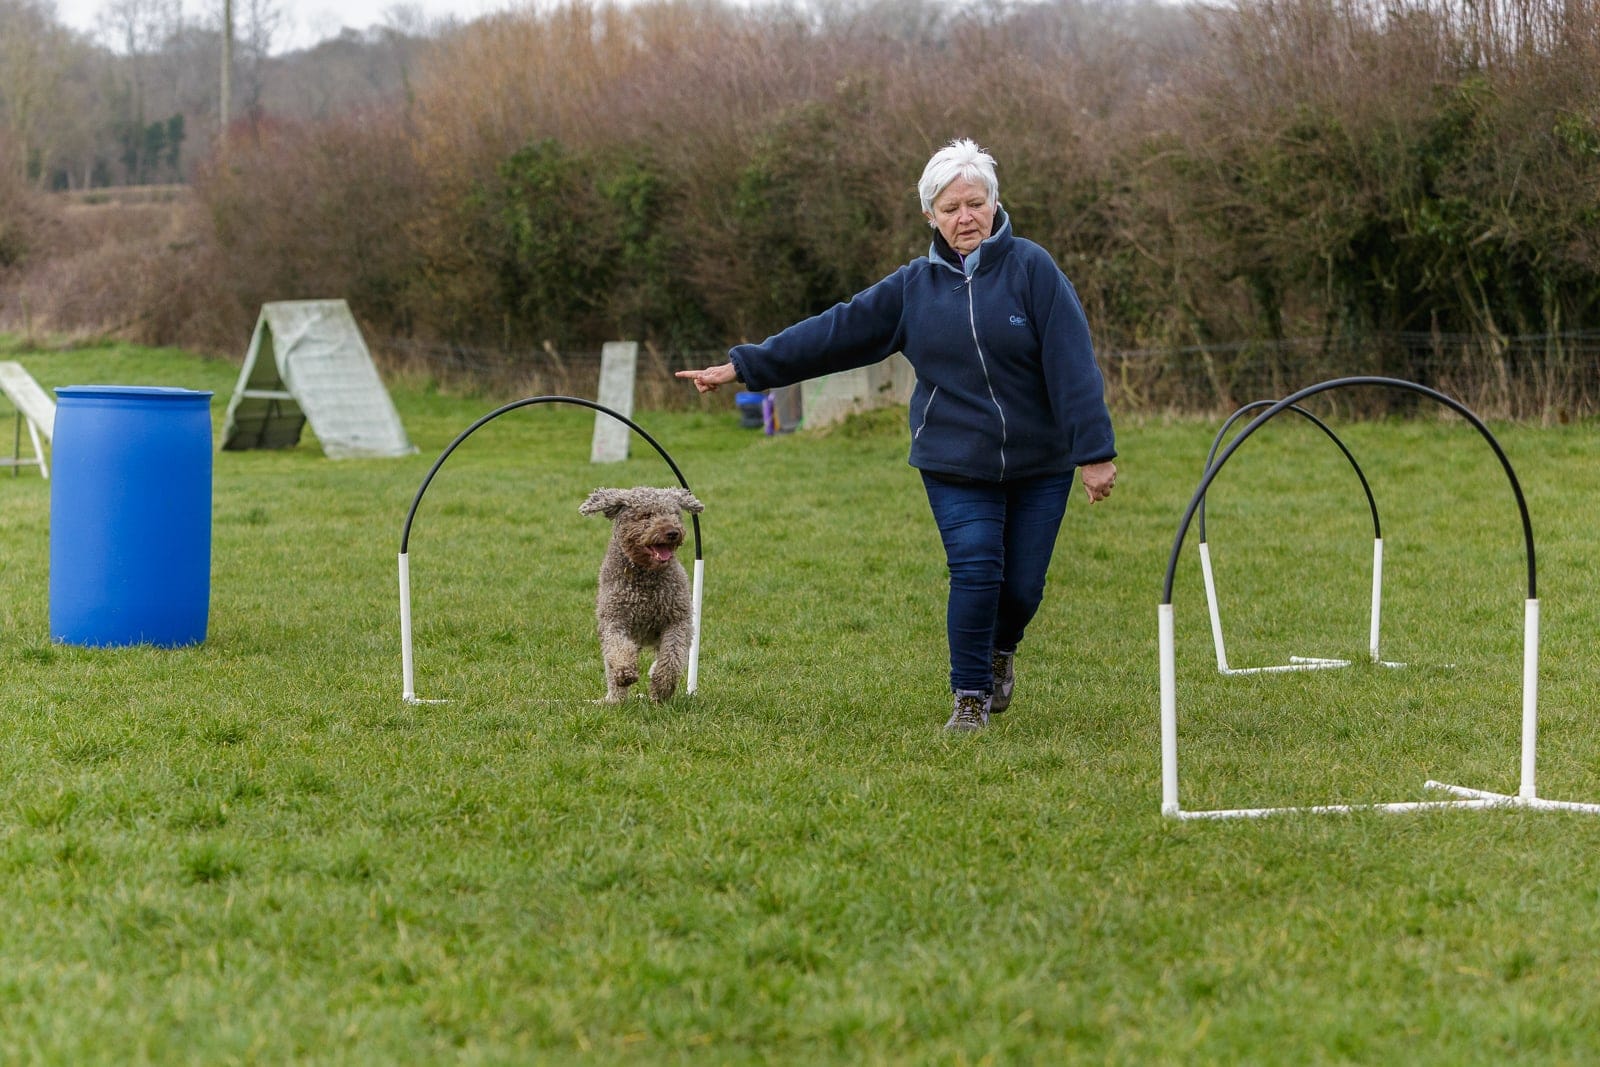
(661,553)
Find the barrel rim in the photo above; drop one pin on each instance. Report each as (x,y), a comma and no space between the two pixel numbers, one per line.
(155,392)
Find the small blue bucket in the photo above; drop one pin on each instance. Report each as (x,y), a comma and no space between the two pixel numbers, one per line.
(750,410)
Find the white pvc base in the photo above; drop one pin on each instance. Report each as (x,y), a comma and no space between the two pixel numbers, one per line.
(1468,799)
(1471,800)
(1502,800)
(1296,663)
(408,691)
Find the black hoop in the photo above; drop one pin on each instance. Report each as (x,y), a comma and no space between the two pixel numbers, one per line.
(405,532)
(1372,505)
(1212,469)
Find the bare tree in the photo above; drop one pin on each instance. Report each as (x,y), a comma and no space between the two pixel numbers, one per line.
(259,23)
(138,29)
(225,107)
(33,66)
(247,30)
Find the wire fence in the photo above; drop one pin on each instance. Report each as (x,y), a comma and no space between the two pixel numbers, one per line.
(1543,377)
(545,370)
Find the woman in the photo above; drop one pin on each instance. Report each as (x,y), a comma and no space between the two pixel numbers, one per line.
(1008,402)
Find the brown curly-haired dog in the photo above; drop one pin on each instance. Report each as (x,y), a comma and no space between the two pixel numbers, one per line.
(644,599)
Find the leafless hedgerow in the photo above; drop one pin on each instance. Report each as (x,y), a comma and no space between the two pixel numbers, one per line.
(1247,197)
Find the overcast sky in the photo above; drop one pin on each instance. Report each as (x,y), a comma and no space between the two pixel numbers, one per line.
(306,21)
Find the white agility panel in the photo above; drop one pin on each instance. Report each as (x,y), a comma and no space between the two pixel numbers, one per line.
(308,362)
(619,363)
(35,409)
(834,397)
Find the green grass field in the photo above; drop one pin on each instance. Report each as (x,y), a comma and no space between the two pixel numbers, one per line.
(254,851)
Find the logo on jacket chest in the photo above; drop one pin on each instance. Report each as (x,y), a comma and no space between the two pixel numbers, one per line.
(1019,320)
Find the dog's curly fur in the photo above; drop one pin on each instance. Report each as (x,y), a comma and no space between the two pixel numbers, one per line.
(644,599)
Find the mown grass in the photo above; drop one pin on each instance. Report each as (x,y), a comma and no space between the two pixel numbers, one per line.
(254,851)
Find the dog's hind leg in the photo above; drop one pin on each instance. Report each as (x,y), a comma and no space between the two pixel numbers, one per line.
(621,656)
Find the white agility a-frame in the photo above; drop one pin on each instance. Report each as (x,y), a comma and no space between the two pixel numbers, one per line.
(408,687)
(35,409)
(1527,793)
(307,362)
(1295,663)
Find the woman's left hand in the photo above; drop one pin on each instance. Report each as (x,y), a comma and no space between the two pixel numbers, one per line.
(1098,479)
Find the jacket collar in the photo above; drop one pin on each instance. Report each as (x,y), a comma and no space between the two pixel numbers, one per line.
(989,251)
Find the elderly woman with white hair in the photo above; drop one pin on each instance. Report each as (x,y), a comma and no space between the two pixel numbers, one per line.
(1009,402)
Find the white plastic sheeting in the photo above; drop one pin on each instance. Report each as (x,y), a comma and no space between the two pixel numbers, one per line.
(308,363)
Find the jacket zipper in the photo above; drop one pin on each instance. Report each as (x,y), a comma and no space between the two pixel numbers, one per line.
(925,409)
(972,323)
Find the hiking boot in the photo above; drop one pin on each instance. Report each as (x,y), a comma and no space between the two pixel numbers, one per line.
(1005,680)
(971,712)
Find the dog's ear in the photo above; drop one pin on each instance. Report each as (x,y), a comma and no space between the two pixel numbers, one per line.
(607,502)
(688,503)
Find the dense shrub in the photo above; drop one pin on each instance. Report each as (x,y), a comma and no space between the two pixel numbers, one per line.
(23,214)
(1341,173)
(127,263)
(319,210)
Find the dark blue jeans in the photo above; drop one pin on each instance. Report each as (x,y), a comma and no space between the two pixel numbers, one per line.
(998,538)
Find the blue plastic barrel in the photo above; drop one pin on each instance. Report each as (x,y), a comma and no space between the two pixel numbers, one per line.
(130,516)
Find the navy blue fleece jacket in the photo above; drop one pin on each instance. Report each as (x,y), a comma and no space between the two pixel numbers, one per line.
(1007,384)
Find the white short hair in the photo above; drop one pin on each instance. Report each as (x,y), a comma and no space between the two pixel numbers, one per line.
(960,158)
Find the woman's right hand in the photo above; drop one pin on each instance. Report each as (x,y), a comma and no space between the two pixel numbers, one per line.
(1098,480)
(709,378)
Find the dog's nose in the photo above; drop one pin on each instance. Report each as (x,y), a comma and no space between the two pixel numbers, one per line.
(674,536)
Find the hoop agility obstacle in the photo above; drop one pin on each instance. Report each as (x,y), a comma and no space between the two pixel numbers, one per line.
(1296,663)
(408,691)
(1527,794)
